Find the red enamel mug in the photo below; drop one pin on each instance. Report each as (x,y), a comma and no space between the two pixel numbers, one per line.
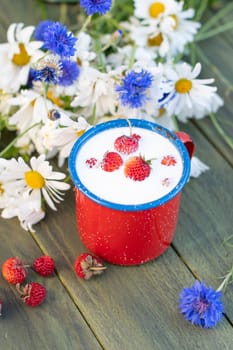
(128,234)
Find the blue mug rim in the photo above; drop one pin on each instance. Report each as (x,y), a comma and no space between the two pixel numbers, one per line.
(141,123)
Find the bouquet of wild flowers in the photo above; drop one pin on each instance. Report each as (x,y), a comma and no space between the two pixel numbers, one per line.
(55,84)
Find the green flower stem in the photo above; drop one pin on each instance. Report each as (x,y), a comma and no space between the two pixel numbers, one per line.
(100,55)
(226,138)
(213,32)
(175,123)
(201,9)
(16,139)
(93,115)
(85,24)
(215,19)
(132,57)
(227,278)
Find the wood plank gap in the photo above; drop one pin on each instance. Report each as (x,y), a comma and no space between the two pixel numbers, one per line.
(43,250)
(195,275)
(201,130)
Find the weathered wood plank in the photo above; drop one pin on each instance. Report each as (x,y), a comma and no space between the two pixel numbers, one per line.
(218,51)
(206,220)
(129,307)
(55,324)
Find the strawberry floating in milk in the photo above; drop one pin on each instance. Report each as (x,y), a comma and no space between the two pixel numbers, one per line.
(128,185)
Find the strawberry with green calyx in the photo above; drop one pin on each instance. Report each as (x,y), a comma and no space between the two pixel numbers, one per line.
(111,161)
(44,265)
(14,271)
(137,168)
(87,265)
(32,294)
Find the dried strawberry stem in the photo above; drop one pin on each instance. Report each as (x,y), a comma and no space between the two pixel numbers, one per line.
(97,268)
(18,288)
(130,126)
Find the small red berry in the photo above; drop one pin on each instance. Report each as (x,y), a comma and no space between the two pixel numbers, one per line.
(14,271)
(44,265)
(32,294)
(127,144)
(137,168)
(111,161)
(168,160)
(91,162)
(86,265)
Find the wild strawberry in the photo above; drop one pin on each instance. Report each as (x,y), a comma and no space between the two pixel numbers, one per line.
(91,162)
(127,144)
(14,271)
(137,168)
(32,294)
(168,160)
(44,265)
(111,161)
(86,265)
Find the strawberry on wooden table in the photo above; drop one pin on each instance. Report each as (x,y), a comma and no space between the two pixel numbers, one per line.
(44,265)
(87,265)
(32,294)
(14,271)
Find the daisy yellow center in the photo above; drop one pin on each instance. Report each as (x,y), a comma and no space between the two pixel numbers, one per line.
(155,40)
(56,100)
(161,112)
(21,58)
(79,62)
(176,21)
(156,8)
(183,86)
(1,189)
(34,179)
(80,132)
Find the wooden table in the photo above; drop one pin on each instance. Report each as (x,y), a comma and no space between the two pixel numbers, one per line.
(129,307)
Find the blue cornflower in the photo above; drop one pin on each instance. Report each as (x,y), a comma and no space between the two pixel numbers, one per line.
(70,72)
(201,305)
(48,71)
(132,91)
(41,29)
(96,6)
(58,40)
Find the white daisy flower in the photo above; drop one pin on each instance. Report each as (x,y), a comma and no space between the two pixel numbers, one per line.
(35,182)
(152,38)
(182,30)
(152,10)
(17,55)
(33,108)
(197,167)
(189,97)
(83,53)
(25,211)
(64,138)
(95,90)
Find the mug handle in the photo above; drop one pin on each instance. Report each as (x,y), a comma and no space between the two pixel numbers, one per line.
(187,141)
